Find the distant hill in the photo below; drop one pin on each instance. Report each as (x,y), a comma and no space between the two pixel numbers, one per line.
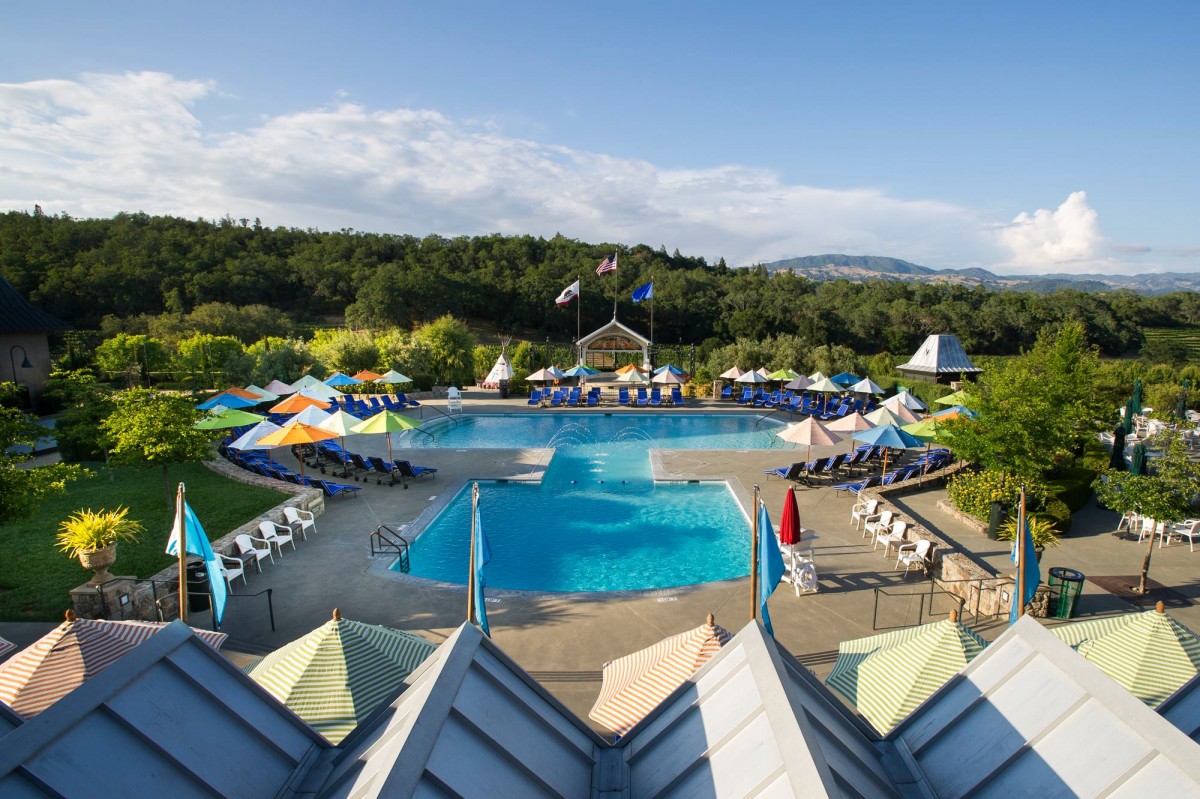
(860,268)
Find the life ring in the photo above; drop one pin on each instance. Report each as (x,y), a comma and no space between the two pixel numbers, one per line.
(807,576)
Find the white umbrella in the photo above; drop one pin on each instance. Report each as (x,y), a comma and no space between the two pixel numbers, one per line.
(808,432)
(392,377)
(340,422)
(632,376)
(799,384)
(249,439)
(542,376)
(850,423)
(262,392)
(866,386)
(826,386)
(817,377)
(909,401)
(305,382)
(899,416)
(280,388)
(731,374)
(321,391)
(667,377)
(312,415)
(753,377)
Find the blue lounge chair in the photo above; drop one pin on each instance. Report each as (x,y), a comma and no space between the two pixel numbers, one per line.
(593,398)
(746,398)
(793,472)
(335,489)
(556,399)
(409,472)
(677,396)
(535,397)
(623,396)
(381,468)
(727,393)
(642,399)
(655,397)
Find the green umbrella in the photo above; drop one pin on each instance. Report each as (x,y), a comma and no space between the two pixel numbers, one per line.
(1149,653)
(226,418)
(1137,396)
(387,422)
(1137,460)
(886,676)
(783,375)
(1116,459)
(335,676)
(928,430)
(1127,421)
(957,398)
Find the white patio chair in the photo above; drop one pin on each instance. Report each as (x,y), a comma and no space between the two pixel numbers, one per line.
(305,518)
(277,534)
(912,554)
(1128,522)
(1148,528)
(232,568)
(892,538)
(246,544)
(879,525)
(1188,528)
(864,510)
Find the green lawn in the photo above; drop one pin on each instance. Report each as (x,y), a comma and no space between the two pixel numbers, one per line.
(35,577)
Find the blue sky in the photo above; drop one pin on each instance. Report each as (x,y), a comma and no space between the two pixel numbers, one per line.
(1049,137)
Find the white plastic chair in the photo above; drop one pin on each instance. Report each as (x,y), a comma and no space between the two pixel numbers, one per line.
(879,525)
(245,544)
(277,534)
(891,538)
(913,554)
(305,518)
(863,510)
(1148,528)
(1189,529)
(232,568)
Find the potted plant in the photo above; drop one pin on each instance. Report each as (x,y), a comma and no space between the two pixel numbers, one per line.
(92,537)
(1041,530)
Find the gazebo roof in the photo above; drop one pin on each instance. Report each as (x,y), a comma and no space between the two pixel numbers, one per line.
(614,327)
(939,355)
(18,316)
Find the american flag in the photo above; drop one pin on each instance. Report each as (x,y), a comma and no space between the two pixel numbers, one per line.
(609,264)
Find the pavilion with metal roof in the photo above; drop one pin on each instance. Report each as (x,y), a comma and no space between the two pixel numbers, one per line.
(941,359)
(24,342)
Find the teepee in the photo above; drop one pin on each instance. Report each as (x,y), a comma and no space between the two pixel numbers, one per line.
(501,370)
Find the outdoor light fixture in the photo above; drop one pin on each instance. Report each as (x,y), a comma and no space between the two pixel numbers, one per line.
(12,359)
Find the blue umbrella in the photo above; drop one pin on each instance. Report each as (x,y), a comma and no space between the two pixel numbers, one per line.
(845,379)
(580,371)
(961,410)
(228,400)
(675,370)
(887,435)
(339,379)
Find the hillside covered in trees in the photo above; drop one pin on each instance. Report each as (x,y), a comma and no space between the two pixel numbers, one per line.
(135,266)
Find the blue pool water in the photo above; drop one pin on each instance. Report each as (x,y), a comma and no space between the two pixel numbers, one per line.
(597,521)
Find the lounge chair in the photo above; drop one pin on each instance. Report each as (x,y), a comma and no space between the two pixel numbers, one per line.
(793,472)
(360,464)
(677,396)
(727,393)
(535,397)
(409,472)
(642,399)
(382,468)
(593,398)
(656,397)
(746,398)
(556,399)
(335,489)
(623,396)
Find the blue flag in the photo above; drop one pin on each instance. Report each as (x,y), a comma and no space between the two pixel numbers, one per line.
(770,564)
(197,544)
(645,292)
(483,554)
(1033,574)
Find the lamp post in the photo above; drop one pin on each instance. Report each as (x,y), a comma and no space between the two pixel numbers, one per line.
(25,364)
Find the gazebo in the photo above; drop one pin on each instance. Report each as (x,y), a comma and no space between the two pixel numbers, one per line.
(603,348)
(940,359)
(24,342)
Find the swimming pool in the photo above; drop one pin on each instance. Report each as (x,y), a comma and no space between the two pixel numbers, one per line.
(597,521)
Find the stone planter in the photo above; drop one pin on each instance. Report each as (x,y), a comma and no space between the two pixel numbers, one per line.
(99,561)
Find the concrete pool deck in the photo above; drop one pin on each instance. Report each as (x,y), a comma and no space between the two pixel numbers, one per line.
(564,639)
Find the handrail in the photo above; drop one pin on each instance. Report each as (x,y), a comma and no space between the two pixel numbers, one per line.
(936,585)
(384,539)
(439,410)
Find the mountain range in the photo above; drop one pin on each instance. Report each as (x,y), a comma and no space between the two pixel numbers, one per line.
(860,268)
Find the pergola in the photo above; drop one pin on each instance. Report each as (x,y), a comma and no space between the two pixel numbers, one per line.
(612,346)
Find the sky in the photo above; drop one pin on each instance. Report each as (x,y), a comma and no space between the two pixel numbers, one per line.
(1020,137)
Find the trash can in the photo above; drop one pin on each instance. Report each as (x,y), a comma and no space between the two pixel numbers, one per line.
(995,520)
(503,389)
(197,585)
(1065,585)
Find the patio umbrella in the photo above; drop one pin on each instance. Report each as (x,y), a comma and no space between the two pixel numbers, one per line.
(339,379)
(798,384)
(1149,653)
(672,368)
(808,432)
(910,402)
(887,436)
(667,378)
(386,422)
(366,375)
(227,418)
(733,373)
(63,659)
(789,524)
(752,377)
(897,416)
(845,379)
(826,386)
(1137,460)
(635,684)
(886,676)
(957,398)
(632,377)
(312,415)
(1137,396)
(296,434)
(305,382)
(341,423)
(392,377)
(817,376)
(339,673)
(579,370)
(927,430)
(1181,405)
(228,401)
(629,367)
(1117,459)
(320,391)
(866,386)
(297,403)
(850,423)
(279,388)
(953,412)
(243,393)
(249,439)
(541,376)
(262,393)
(1127,418)
(783,375)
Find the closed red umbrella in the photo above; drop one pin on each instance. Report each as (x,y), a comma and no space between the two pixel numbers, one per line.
(789,528)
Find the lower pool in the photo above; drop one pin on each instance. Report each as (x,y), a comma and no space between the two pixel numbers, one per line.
(597,521)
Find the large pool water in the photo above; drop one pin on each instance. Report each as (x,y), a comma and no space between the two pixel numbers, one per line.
(597,521)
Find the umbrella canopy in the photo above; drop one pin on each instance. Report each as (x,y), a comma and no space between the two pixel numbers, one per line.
(392,377)
(928,430)
(850,423)
(667,377)
(1127,418)
(631,368)
(632,377)
(227,401)
(305,382)
(249,439)
(387,422)
(227,418)
(672,368)
(1117,458)
(817,376)
(542,376)
(339,422)
(953,412)
(337,674)
(1137,396)
(262,393)
(339,379)
(783,375)
(886,676)
(298,433)
(579,370)
(312,415)
(635,684)
(752,377)
(798,384)
(279,388)
(320,391)
(845,379)
(1149,653)
(733,373)
(910,402)
(789,525)
(366,375)
(826,386)
(297,403)
(866,386)
(1137,460)
(888,435)
(898,415)
(63,659)
(243,393)
(957,398)
(808,432)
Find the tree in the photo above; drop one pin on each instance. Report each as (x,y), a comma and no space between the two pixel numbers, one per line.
(346,350)
(151,429)
(451,351)
(23,489)
(1164,496)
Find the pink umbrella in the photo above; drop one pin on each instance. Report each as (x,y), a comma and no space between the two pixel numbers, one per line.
(808,432)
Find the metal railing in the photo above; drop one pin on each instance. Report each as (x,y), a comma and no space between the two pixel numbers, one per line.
(384,540)
(968,606)
(167,592)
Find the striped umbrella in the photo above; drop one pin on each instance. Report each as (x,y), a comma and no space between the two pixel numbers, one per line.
(635,684)
(1149,653)
(63,659)
(887,676)
(335,676)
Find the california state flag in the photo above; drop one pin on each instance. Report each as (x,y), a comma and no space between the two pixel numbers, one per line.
(568,294)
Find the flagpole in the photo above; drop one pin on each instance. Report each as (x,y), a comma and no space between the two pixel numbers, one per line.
(181,551)
(471,561)
(754,557)
(614,285)
(578,303)
(652,311)
(1020,596)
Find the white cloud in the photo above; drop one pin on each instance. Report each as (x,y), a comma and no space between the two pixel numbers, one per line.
(134,142)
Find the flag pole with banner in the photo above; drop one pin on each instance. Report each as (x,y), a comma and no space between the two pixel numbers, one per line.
(481,554)
(195,542)
(770,562)
(179,529)
(1029,575)
(571,292)
(609,264)
(646,292)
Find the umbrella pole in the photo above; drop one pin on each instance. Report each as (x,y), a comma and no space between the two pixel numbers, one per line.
(754,556)
(1019,598)
(471,559)
(181,551)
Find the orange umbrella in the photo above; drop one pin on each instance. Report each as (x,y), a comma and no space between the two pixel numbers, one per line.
(298,433)
(631,368)
(367,374)
(243,393)
(297,403)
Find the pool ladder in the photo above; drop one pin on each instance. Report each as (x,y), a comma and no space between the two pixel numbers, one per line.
(385,540)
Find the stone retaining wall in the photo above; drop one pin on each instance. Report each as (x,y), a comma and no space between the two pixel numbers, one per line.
(130,598)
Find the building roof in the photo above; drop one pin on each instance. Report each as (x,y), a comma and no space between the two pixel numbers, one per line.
(939,355)
(1182,708)
(9,720)
(18,316)
(1031,717)
(614,327)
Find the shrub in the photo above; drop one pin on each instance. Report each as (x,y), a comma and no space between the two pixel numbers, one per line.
(1073,485)
(1041,529)
(1057,513)
(974,492)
